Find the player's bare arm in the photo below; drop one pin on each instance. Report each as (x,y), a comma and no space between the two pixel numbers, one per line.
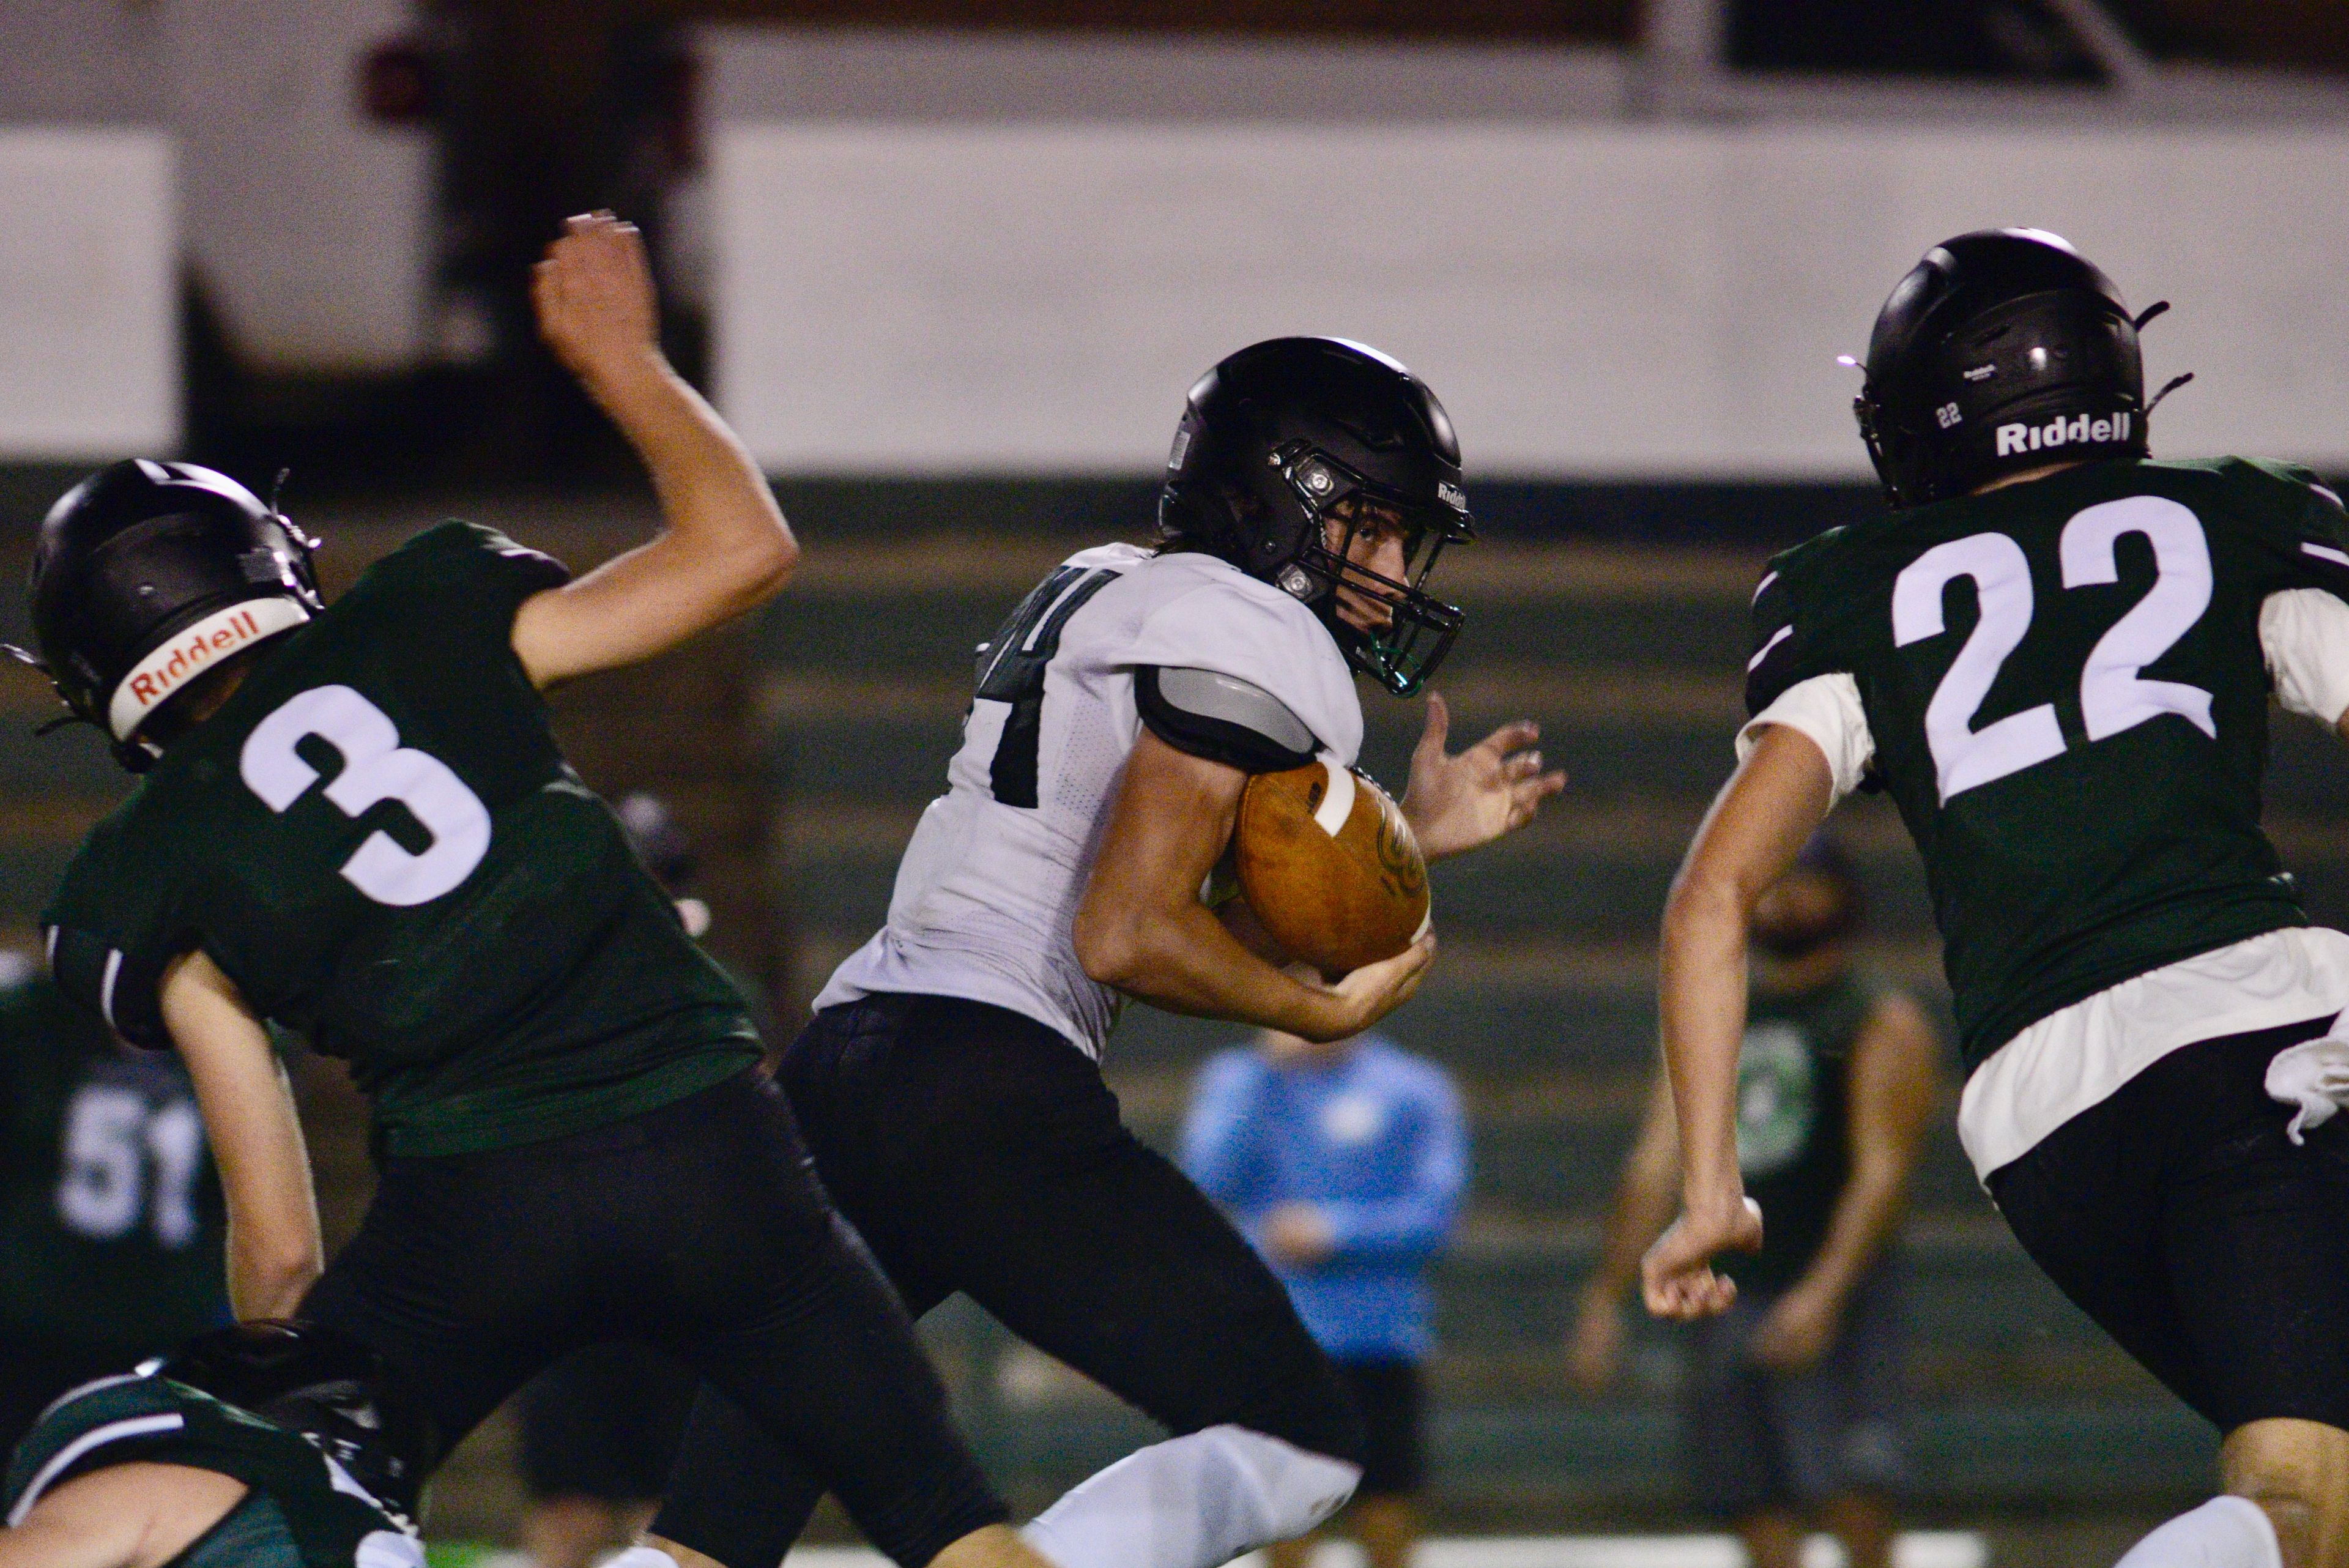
(125,1516)
(274,1247)
(1142,927)
(1779,793)
(726,549)
(1644,1202)
(1893,1096)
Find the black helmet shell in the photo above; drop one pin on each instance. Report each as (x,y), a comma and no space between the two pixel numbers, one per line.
(2001,350)
(326,1385)
(1276,436)
(146,575)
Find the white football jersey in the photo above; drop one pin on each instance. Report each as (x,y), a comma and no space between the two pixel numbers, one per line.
(986,901)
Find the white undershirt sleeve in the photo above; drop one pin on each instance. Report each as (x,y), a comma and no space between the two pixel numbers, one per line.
(1827,708)
(2305,632)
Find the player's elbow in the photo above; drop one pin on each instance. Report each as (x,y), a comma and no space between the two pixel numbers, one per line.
(761,565)
(273,1275)
(1108,948)
(1702,904)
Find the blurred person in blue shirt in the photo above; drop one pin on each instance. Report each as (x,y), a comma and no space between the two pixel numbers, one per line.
(1344,1164)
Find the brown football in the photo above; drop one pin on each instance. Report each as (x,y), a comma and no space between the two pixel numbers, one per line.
(1329,865)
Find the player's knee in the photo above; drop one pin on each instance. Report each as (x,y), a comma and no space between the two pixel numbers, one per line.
(2297,1473)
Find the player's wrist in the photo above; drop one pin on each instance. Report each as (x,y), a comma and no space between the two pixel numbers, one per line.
(630,378)
(1714,1202)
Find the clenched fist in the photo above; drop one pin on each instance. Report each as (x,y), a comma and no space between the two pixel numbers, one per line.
(595,298)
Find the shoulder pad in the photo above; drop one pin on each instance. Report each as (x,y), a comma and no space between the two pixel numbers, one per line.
(531,569)
(95,976)
(1222,718)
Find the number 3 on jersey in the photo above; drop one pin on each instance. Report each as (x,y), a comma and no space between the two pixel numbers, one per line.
(2114,696)
(376,767)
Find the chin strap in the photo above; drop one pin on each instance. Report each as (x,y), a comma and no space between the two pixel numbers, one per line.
(34,662)
(2160,308)
(133,755)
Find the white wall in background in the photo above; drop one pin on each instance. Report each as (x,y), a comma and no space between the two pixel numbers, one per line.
(1588,299)
(89,351)
(309,226)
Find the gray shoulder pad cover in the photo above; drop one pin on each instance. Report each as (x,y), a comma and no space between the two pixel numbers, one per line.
(1205,694)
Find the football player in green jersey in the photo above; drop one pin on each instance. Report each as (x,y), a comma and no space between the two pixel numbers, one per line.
(110,1216)
(353,820)
(267,1445)
(2056,656)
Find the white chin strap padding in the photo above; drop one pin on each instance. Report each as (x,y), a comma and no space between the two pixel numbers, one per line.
(1195,1502)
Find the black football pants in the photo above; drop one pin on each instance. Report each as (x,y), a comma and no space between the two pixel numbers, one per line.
(976,1150)
(2180,1216)
(700,1230)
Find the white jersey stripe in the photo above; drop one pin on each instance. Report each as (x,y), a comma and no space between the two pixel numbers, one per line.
(112,1432)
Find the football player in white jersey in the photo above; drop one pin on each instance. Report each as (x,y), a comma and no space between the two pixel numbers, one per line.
(948,1085)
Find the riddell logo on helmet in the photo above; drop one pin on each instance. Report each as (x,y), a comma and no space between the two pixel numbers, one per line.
(2080,430)
(220,636)
(211,641)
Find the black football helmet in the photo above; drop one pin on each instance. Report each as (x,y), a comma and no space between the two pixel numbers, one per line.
(147,574)
(326,1385)
(2001,350)
(1274,440)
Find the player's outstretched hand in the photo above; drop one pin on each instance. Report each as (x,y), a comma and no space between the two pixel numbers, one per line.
(1458,801)
(595,298)
(1375,989)
(1676,1277)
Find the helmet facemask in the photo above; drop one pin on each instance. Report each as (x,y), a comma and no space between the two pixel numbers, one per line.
(1340,507)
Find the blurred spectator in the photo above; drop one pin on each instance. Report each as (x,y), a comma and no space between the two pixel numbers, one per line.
(600,1429)
(111,1214)
(1791,1414)
(1344,1165)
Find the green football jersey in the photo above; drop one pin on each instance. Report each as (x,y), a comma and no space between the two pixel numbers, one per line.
(1794,1120)
(2068,698)
(110,1216)
(304,1510)
(377,840)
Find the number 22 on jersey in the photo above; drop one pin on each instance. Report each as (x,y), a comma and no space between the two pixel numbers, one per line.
(2113,695)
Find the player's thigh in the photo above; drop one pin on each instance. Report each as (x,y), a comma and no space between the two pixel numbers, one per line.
(830,1392)
(1097,1250)
(461,1276)
(2083,1207)
(2256,1239)
(603,1423)
(816,1381)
